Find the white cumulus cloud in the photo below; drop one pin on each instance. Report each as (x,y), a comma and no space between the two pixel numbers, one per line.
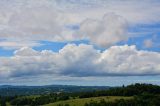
(81,61)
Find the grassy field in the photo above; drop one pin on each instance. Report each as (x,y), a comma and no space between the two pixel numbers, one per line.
(81,102)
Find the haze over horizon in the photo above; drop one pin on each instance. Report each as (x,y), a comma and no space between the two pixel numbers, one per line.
(79,42)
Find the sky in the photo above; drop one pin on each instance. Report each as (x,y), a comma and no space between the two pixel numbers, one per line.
(79,42)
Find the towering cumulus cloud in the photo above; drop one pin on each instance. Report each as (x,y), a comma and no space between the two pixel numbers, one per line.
(106,32)
(81,61)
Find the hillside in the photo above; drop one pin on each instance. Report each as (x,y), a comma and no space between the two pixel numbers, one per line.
(81,102)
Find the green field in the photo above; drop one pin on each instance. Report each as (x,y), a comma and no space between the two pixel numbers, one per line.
(81,102)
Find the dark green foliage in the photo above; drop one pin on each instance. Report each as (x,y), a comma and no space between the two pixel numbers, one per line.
(63,97)
(2,102)
(43,99)
(40,100)
(130,90)
(5,99)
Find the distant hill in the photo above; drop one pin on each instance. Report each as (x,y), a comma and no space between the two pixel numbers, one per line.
(9,90)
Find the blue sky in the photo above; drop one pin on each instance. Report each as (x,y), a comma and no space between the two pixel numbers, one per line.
(79,42)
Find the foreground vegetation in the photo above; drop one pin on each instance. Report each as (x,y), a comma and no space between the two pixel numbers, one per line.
(140,100)
(82,102)
(132,95)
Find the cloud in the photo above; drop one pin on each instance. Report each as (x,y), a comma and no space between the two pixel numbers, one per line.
(26,51)
(110,30)
(80,61)
(135,11)
(18,44)
(148,43)
(30,22)
(152,42)
(47,20)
